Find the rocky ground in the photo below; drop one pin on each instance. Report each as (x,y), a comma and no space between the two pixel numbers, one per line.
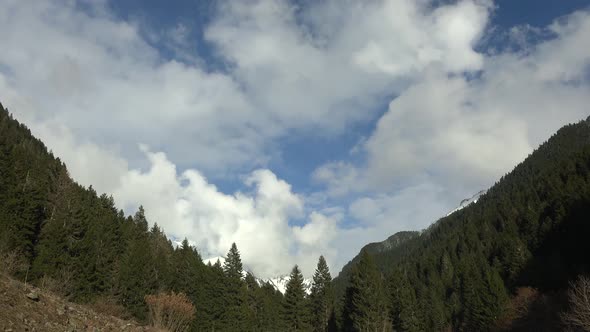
(26,308)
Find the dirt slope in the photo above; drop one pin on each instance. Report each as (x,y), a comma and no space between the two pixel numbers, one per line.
(30,309)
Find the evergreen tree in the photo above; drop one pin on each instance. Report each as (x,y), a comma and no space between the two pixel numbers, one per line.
(135,278)
(236,314)
(365,305)
(253,304)
(233,264)
(189,278)
(270,315)
(405,312)
(295,306)
(214,303)
(321,296)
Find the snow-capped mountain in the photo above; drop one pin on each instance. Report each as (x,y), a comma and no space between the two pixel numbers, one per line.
(279,282)
(467,201)
(213,260)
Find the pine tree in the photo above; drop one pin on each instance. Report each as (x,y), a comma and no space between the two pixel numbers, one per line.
(295,307)
(135,278)
(189,278)
(365,306)
(235,291)
(322,296)
(253,304)
(215,301)
(271,301)
(404,309)
(233,263)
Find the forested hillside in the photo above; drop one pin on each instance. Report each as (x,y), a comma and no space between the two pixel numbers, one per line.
(380,251)
(527,234)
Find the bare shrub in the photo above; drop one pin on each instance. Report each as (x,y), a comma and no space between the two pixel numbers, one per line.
(170,311)
(11,262)
(579,300)
(61,284)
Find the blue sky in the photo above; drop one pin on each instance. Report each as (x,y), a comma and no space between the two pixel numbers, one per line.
(293,128)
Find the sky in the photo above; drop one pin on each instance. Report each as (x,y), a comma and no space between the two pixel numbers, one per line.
(293,128)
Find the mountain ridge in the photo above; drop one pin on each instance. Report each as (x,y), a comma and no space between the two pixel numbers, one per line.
(527,232)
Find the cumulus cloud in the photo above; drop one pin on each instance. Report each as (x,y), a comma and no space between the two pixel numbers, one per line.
(187,205)
(472,131)
(330,63)
(100,78)
(258,220)
(445,36)
(466,132)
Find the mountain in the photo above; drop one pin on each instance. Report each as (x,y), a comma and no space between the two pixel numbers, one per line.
(280,283)
(393,242)
(472,269)
(376,248)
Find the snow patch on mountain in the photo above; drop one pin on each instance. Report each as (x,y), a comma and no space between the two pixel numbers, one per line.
(279,282)
(467,201)
(213,260)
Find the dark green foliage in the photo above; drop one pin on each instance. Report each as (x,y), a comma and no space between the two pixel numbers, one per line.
(233,264)
(296,307)
(405,311)
(381,252)
(270,315)
(322,297)
(236,312)
(365,307)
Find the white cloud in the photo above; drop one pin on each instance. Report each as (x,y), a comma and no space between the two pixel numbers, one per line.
(466,133)
(98,77)
(407,37)
(258,221)
(341,177)
(101,79)
(319,231)
(410,208)
(332,68)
